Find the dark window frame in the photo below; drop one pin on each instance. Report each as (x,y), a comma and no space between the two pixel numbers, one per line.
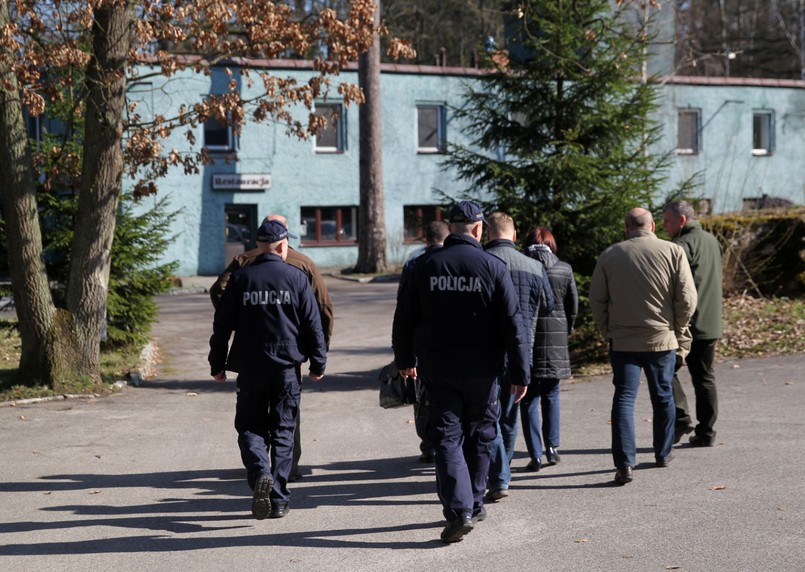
(341,223)
(423,215)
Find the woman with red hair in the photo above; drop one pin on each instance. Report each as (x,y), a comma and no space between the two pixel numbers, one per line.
(551,356)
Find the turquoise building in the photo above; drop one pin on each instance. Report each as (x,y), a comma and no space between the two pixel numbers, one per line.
(742,139)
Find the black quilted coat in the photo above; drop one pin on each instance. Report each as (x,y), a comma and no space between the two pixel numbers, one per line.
(551,354)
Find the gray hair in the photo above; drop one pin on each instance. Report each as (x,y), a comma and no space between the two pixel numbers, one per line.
(679,208)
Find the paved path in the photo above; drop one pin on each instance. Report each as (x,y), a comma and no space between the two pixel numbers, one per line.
(150,478)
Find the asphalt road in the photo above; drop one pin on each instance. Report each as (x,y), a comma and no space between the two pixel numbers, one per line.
(150,478)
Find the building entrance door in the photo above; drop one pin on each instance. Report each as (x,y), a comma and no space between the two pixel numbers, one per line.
(241,227)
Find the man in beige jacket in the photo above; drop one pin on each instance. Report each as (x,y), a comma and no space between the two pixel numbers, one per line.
(642,296)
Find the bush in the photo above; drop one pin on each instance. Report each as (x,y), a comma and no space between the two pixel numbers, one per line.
(764,251)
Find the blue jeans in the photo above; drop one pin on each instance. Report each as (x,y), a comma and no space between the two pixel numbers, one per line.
(659,370)
(542,394)
(502,449)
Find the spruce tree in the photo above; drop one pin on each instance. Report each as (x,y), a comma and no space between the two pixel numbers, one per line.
(561,130)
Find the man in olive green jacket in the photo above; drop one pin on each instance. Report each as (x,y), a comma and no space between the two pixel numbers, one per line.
(704,255)
(642,297)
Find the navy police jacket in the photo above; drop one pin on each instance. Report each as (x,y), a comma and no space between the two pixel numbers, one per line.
(271,308)
(458,316)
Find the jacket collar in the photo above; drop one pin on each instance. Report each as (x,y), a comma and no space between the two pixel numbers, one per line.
(640,233)
(499,242)
(456,239)
(690,226)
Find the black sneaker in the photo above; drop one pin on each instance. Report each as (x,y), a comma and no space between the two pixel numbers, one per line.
(479,515)
(696,441)
(456,529)
(261,506)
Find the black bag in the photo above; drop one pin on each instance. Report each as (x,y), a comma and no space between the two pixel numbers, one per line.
(395,389)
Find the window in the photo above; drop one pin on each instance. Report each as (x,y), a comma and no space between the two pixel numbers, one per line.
(431,129)
(687,132)
(329,225)
(217,135)
(34,126)
(762,132)
(330,139)
(416,217)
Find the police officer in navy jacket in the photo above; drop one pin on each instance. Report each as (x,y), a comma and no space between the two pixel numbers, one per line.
(456,319)
(271,308)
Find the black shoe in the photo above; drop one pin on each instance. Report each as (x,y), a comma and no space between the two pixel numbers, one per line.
(696,441)
(278,510)
(479,515)
(532,466)
(681,432)
(261,506)
(667,461)
(496,495)
(623,475)
(456,529)
(427,458)
(295,476)
(552,456)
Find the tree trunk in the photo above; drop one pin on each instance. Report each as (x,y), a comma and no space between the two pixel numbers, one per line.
(46,352)
(101,178)
(372,227)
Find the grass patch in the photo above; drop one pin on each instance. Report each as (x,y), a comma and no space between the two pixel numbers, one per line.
(753,327)
(115,366)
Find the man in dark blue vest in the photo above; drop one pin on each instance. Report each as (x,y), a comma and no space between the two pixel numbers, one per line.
(456,322)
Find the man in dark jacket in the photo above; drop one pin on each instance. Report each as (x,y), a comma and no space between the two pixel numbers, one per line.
(704,255)
(535,296)
(306,265)
(455,323)
(435,233)
(270,307)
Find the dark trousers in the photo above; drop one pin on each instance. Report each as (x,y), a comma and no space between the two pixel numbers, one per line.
(421,419)
(702,375)
(297,434)
(265,417)
(462,415)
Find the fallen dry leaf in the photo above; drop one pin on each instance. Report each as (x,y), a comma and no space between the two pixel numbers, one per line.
(579,540)
(192,394)
(717,488)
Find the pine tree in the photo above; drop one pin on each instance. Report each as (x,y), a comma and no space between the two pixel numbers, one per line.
(561,130)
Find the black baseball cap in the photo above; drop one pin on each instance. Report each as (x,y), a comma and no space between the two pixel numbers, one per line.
(273,231)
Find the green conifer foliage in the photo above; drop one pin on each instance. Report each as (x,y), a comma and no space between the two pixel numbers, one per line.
(560,128)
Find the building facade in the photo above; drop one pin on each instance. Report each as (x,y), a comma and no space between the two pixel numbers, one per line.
(740,139)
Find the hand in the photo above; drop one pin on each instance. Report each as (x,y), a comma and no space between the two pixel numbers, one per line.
(518,391)
(315,376)
(408,372)
(220,376)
